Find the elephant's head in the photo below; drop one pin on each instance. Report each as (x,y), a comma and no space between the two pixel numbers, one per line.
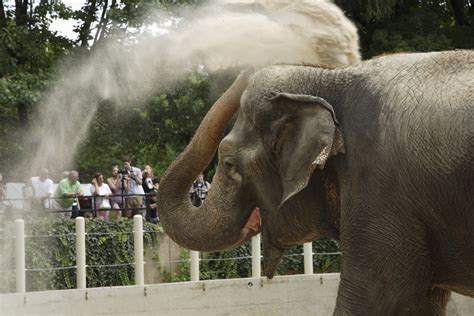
(282,134)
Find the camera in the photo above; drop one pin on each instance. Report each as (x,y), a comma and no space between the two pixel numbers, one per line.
(123,172)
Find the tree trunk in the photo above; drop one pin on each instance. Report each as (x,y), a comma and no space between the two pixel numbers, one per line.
(102,22)
(21,12)
(104,30)
(89,17)
(3,18)
(457,7)
(471,7)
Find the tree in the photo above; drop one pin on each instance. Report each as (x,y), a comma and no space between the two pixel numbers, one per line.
(460,9)
(153,134)
(99,19)
(402,25)
(28,51)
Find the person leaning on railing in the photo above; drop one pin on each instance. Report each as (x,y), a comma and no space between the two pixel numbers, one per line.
(67,193)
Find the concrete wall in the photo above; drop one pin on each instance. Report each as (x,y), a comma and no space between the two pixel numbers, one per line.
(294,295)
(168,254)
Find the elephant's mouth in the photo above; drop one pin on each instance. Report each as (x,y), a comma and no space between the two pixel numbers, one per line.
(251,228)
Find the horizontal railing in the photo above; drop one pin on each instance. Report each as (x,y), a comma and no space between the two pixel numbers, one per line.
(87,204)
(88,198)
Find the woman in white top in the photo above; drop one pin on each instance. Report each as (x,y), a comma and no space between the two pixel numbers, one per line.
(101,192)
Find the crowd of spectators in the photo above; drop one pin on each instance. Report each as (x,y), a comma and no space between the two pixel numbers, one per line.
(127,192)
(121,195)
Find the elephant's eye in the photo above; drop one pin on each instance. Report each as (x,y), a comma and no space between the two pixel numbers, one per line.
(232,171)
(230,168)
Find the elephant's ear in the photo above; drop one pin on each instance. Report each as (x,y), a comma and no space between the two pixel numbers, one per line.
(303,139)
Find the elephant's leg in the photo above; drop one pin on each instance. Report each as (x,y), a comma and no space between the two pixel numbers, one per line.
(433,302)
(388,296)
(437,301)
(387,270)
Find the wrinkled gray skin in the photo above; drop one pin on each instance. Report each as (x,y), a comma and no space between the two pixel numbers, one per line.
(380,156)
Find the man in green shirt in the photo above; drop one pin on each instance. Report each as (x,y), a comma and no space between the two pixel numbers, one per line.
(67,193)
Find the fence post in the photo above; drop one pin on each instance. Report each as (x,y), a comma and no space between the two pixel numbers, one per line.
(80,253)
(308,257)
(194,265)
(256,255)
(20,273)
(138,249)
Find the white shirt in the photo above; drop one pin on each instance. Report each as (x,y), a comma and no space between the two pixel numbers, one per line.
(104,189)
(42,188)
(134,187)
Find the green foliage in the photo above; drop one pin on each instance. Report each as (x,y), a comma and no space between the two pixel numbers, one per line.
(51,244)
(225,265)
(293,262)
(154,134)
(417,29)
(116,18)
(410,26)
(175,115)
(367,9)
(28,52)
(184,268)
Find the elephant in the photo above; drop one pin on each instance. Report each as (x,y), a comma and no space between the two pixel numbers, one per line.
(379,155)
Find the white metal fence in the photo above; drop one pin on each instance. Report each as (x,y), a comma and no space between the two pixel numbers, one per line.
(139,277)
(309,294)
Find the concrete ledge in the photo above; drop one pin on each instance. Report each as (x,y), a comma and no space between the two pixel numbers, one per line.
(298,295)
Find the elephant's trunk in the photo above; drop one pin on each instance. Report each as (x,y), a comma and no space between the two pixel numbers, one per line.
(216,225)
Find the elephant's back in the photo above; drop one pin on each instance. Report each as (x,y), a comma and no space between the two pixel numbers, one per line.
(425,103)
(414,114)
